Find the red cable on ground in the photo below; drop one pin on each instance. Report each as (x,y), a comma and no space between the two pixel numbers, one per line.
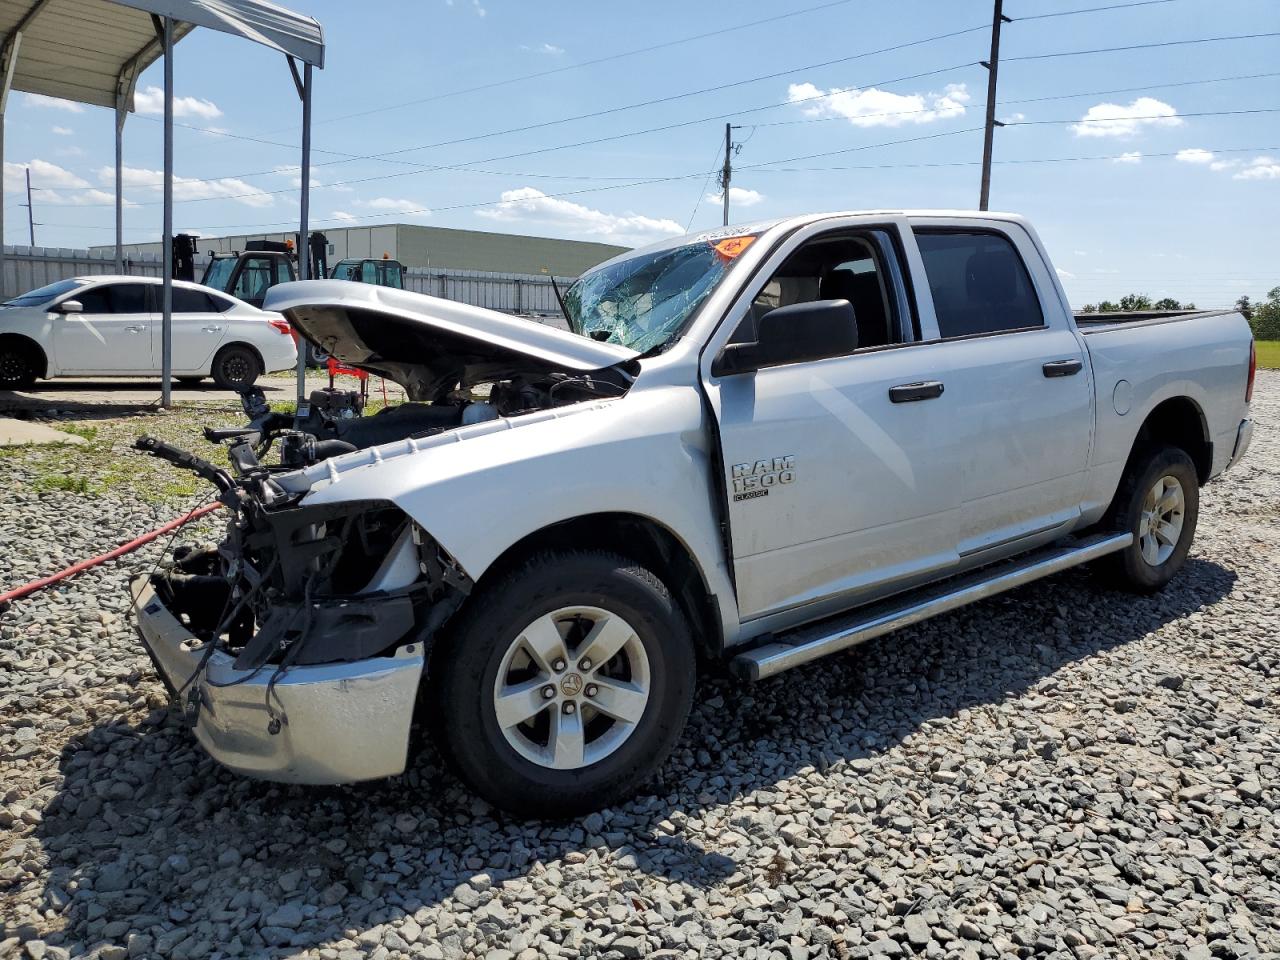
(120,551)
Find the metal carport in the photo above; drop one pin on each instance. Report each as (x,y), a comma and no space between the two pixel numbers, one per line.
(93,51)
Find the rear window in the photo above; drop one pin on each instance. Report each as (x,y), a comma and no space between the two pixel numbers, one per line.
(979,283)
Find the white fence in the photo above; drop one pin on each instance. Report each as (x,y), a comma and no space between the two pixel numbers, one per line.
(26,268)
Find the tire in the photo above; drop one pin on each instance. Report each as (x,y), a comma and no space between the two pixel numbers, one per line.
(19,364)
(236,368)
(563,760)
(1160,540)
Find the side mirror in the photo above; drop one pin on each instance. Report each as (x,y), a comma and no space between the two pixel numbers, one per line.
(70,306)
(793,334)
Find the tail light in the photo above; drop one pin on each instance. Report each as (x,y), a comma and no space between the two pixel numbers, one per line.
(1253,371)
(281,326)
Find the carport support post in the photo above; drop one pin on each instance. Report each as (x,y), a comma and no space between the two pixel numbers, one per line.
(166,299)
(8,59)
(304,241)
(121,113)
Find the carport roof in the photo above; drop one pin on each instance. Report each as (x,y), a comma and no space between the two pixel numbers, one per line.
(87,51)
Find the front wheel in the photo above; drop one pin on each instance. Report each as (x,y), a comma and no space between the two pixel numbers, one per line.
(1158,502)
(19,365)
(565,685)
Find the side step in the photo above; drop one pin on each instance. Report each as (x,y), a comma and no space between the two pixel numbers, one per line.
(850,629)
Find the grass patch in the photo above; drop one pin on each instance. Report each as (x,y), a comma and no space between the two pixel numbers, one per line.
(78,430)
(1269,354)
(61,481)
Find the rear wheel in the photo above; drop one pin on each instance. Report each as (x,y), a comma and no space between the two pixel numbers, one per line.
(565,685)
(236,368)
(19,364)
(1159,503)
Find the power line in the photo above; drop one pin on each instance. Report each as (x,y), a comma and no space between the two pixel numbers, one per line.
(1141,46)
(761,168)
(1072,13)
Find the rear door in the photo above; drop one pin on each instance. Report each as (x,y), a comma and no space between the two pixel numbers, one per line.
(1017,377)
(112,334)
(839,488)
(198,328)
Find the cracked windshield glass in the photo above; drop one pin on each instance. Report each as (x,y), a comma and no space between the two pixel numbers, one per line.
(644,301)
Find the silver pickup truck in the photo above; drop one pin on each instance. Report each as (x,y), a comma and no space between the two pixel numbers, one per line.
(758,445)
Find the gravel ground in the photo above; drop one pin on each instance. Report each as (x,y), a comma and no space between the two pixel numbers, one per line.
(1058,772)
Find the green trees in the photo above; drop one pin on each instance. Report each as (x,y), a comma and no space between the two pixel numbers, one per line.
(1263,317)
(1133,302)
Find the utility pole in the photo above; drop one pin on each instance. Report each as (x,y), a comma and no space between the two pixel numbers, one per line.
(31,217)
(992,65)
(726,175)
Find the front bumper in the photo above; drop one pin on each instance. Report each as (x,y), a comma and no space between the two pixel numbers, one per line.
(343,722)
(1244,436)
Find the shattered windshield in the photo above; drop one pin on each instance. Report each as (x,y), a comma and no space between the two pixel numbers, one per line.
(644,301)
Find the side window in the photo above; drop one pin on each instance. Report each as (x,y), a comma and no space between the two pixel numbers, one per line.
(220,304)
(979,283)
(255,278)
(95,299)
(128,297)
(186,300)
(841,267)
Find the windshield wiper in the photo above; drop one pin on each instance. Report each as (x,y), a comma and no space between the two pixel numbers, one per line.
(560,300)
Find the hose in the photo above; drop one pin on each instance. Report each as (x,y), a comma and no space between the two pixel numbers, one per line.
(8,597)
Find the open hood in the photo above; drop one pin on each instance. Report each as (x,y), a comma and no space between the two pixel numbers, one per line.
(426,344)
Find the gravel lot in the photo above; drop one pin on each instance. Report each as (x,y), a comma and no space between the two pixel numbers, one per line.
(1059,772)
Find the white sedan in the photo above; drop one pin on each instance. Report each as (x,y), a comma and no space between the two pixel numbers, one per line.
(111,326)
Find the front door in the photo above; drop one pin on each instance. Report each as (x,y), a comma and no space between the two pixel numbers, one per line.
(112,334)
(839,471)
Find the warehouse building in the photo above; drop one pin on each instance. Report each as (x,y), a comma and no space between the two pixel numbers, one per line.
(436,247)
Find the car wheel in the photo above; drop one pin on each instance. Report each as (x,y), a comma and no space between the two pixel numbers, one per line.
(564,685)
(19,366)
(236,368)
(1158,502)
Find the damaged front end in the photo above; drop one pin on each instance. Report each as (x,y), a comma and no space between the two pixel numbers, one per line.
(296,647)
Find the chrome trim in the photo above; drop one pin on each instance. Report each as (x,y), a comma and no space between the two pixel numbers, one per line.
(820,639)
(345,721)
(1244,436)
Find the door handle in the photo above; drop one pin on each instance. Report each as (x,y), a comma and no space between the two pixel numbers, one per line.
(135,328)
(1062,368)
(212,329)
(910,392)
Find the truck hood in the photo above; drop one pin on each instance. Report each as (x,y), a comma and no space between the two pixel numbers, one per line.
(427,344)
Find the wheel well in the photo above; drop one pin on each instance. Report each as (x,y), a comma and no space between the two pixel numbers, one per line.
(638,538)
(262,364)
(1179,422)
(15,339)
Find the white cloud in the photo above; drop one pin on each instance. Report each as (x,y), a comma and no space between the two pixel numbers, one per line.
(294,173)
(1014,118)
(480,11)
(1131,156)
(1194,155)
(1116,120)
(880,108)
(738,197)
(63,131)
(189,188)
(548,48)
(397,205)
(1260,168)
(1065,274)
(151,100)
(1224,164)
(530,203)
(343,216)
(44,175)
(53,103)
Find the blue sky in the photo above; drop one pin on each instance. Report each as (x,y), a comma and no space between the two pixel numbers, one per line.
(1181,204)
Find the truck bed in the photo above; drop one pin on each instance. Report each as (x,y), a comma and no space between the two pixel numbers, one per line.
(1090,322)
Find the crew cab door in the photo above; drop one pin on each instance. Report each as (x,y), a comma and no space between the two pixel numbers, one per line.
(111,334)
(198,328)
(839,472)
(1018,380)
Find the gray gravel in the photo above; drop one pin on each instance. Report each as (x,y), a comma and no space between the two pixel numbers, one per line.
(1061,772)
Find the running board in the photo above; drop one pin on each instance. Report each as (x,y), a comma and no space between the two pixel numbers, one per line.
(850,629)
